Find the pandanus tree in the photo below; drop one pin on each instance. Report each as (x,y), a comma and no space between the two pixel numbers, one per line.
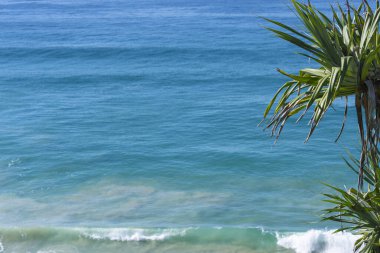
(346,50)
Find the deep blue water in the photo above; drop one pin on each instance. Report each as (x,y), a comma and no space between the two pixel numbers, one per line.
(144,114)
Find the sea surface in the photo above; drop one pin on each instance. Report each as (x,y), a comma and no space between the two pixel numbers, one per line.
(132,126)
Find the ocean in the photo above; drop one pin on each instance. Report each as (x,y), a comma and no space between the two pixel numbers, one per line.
(132,126)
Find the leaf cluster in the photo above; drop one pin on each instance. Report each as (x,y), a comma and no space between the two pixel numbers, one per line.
(346,48)
(358,212)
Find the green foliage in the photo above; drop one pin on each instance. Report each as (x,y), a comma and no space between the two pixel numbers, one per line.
(347,49)
(358,211)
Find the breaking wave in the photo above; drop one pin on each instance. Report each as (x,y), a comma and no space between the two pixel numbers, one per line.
(126,234)
(318,241)
(191,239)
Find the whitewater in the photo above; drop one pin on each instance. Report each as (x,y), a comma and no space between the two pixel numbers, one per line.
(172,240)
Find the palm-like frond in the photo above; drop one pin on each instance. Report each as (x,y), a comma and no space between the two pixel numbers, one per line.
(357,211)
(347,49)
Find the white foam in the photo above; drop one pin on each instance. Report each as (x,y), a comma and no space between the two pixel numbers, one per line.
(1,247)
(135,234)
(318,241)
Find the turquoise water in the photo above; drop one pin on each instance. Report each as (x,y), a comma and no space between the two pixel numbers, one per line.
(131,126)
